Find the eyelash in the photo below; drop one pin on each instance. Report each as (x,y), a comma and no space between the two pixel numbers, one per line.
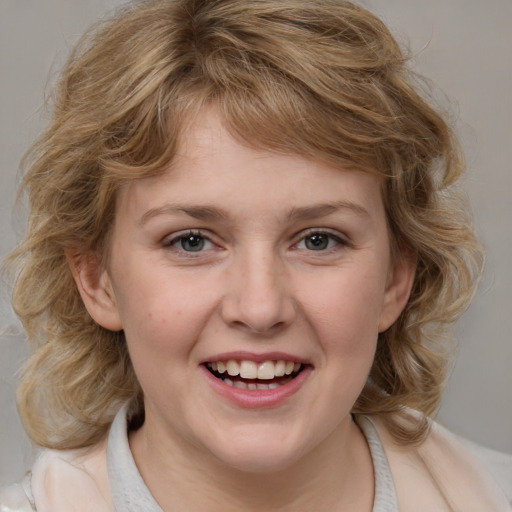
(182,237)
(329,236)
(339,241)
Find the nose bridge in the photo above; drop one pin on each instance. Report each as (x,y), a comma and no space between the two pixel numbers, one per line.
(258,294)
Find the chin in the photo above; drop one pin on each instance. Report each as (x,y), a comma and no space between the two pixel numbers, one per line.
(257,452)
(259,463)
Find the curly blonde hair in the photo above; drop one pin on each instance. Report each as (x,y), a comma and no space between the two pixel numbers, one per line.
(320,78)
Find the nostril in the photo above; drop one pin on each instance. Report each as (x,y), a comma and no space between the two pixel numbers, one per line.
(258,301)
(263,319)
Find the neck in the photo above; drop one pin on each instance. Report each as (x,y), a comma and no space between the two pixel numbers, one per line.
(336,475)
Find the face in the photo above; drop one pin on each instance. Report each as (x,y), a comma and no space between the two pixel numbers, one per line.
(251,288)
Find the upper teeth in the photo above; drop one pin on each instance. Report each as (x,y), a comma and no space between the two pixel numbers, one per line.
(250,370)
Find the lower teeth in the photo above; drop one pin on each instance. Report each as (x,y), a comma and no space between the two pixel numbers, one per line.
(252,386)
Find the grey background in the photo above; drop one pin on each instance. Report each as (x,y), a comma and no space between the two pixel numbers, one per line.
(464,46)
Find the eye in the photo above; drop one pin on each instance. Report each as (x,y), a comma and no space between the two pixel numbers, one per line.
(190,242)
(319,241)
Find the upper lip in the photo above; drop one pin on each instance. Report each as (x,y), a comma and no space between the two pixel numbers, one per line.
(241,355)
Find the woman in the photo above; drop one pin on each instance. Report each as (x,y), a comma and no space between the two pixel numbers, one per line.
(245,242)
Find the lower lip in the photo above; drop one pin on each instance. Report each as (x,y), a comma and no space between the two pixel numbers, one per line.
(257,399)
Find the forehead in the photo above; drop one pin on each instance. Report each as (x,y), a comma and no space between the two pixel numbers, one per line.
(212,167)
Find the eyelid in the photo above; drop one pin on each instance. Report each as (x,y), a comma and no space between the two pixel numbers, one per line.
(174,237)
(339,237)
(169,241)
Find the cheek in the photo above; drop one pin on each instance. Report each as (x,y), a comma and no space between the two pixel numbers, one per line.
(163,318)
(159,337)
(347,308)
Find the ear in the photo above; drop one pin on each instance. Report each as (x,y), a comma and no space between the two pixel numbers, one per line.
(95,288)
(398,289)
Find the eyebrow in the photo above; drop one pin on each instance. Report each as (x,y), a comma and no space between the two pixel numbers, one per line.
(197,212)
(207,213)
(324,209)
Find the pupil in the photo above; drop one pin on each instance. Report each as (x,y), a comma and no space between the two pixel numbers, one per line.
(317,242)
(192,243)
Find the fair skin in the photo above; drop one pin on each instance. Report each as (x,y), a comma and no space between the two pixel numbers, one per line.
(241,257)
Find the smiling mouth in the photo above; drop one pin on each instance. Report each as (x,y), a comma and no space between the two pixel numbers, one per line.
(255,376)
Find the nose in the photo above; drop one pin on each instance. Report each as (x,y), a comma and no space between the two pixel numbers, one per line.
(258,297)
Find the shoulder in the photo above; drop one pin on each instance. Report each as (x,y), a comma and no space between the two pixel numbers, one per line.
(440,474)
(67,481)
(497,464)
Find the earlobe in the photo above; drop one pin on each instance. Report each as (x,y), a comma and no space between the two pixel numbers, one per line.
(398,291)
(95,288)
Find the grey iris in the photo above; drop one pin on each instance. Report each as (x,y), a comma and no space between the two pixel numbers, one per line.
(192,243)
(317,242)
